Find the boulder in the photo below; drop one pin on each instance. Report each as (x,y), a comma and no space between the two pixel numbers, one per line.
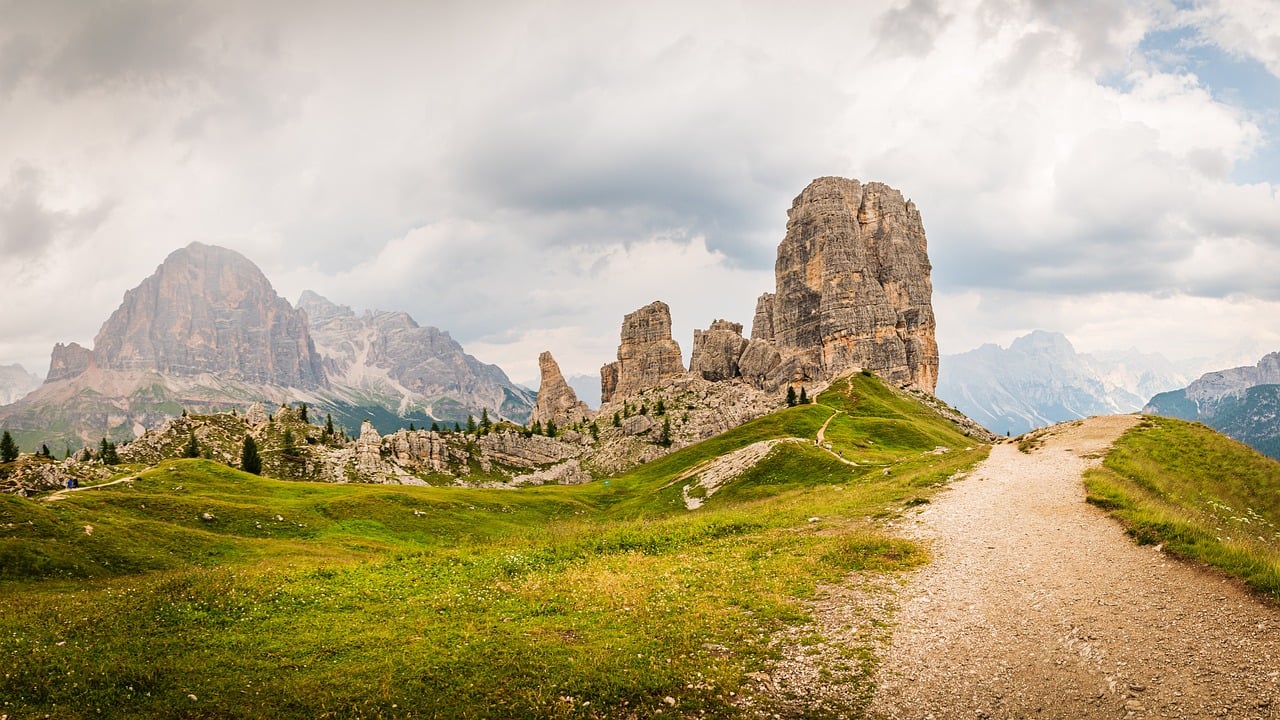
(717,350)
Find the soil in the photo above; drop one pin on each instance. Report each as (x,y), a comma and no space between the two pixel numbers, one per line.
(1037,604)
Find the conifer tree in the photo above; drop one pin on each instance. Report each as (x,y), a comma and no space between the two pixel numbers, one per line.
(485,423)
(471,425)
(665,438)
(551,428)
(791,396)
(660,409)
(617,420)
(435,426)
(8,448)
(536,428)
(193,448)
(249,460)
(328,424)
(302,413)
(412,428)
(804,397)
(457,428)
(44,451)
(595,430)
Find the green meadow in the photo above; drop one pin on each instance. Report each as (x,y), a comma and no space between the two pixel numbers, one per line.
(1201,495)
(194,590)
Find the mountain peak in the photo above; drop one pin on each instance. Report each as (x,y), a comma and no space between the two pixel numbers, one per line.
(1041,342)
(207,309)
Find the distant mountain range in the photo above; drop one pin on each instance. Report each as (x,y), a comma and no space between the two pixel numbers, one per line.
(207,332)
(1241,402)
(15,382)
(1040,380)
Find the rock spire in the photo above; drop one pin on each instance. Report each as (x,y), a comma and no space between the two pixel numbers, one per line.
(647,354)
(557,401)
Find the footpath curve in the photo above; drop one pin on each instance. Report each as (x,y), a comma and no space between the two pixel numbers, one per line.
(1037,604)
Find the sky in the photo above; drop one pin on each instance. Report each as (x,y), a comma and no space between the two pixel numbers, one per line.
(522,174)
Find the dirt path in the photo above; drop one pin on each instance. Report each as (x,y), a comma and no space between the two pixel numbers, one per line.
(1038,605)
(54,496)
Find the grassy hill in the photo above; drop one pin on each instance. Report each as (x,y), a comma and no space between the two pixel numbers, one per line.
(194,590)
(1202,495)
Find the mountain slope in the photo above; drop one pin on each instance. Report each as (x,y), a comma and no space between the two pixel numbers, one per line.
(1040,380)
(16,382)
(386,361)
(1242,402)
(198,581)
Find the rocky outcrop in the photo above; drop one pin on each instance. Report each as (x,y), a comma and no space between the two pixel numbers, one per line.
(557,402)
(853,289)
(1242,402)
(68,361)
(717,350)
(647,354)
(209,310)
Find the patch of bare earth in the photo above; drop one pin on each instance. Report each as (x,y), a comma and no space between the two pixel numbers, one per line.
(1037,604)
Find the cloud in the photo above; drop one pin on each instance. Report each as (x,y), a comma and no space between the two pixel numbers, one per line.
(523,176)
(1245,28)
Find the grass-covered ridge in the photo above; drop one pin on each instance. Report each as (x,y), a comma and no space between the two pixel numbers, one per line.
(1202,495)
(312,600)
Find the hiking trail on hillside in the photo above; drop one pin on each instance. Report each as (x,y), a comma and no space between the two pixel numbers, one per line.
(1037,604)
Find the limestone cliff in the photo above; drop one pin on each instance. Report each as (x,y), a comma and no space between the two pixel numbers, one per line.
(556,400)
(646,356)
(209,310)
(853,288)
(68,361)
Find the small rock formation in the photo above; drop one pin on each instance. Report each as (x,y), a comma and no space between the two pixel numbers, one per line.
(717,350)
(68,361)
(557,401)
(368,450)
(646,356)
(853,289)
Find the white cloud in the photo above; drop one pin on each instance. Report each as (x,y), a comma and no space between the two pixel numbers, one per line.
(522,176)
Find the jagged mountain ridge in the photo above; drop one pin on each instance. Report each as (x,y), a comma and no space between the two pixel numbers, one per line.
(1241,402)
(419,370)
(1041,380)
(207,332)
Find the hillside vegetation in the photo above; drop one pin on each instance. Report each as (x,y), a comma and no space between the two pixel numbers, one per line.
(1199,494)
(194,590)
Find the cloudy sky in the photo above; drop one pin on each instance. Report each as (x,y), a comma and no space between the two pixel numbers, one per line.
(522,174)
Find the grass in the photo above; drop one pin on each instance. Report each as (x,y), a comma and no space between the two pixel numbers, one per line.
(317,600)
(1201,495)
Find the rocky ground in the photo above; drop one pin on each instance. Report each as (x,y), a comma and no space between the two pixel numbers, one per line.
(1037,605)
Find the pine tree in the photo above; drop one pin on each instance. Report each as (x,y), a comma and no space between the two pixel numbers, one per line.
(791,396)
(249,460)
(617,420)
(644,409)
(471,425)
(44,451)
(804,397)
(536,428)
(412,428)
(435,426)
(595,430)
(193,448)
(302,413)
(287,443)
(665,438)
(457,428)
(485,423)
(551,428)
(8,448)
(107,453)
(328,424)
(660,409)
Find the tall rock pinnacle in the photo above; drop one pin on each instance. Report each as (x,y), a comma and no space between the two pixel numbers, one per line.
(557,401)
(853,288)
(646,356)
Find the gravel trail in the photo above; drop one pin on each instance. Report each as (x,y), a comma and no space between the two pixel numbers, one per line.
(1037,605)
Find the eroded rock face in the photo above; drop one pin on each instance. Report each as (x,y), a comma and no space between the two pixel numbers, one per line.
(68,361)
(646,356)
(716,351)
(1213,386)
(557,401)
(853,288)
(210,310)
